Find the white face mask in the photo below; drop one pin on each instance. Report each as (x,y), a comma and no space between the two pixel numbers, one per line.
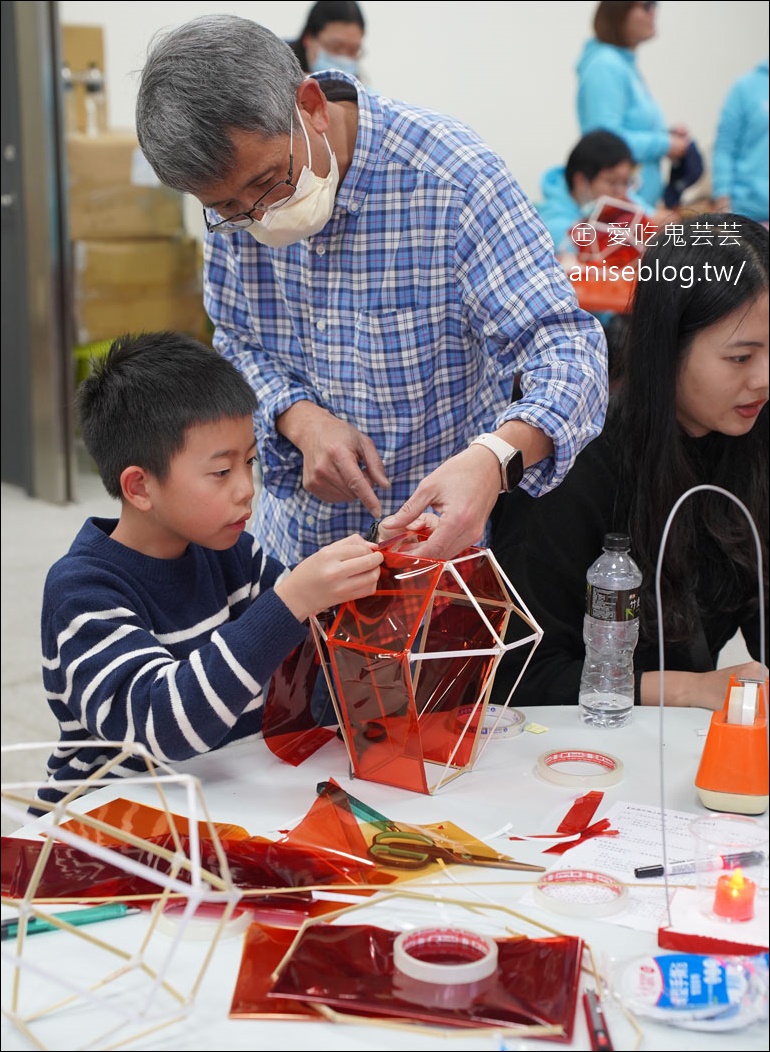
(307,212)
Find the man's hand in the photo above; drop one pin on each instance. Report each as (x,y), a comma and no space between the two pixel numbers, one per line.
(462,492)
(339,463)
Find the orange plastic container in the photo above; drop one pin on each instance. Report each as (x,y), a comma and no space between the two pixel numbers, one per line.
(733,771)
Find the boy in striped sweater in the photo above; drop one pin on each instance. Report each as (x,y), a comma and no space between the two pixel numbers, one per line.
(163,626)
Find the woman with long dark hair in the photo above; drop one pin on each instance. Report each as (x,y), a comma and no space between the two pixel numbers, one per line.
(690,408)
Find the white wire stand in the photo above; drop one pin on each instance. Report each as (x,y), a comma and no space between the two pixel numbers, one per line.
(132,977)
(661,652)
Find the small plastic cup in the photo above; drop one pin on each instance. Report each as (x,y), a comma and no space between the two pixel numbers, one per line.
(730,866)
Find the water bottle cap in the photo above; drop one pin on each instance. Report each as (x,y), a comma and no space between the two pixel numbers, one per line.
(616,542)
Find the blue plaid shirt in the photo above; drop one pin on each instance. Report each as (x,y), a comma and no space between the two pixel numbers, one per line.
(432,285)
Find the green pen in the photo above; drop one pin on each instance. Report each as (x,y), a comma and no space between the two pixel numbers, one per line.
(108,911)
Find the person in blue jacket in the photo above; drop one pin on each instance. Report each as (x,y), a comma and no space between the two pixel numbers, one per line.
(613,95)
(600,165)
(740,168)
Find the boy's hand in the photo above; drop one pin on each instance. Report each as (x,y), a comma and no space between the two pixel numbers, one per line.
(346,569)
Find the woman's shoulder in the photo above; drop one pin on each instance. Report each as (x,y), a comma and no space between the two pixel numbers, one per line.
(598,57)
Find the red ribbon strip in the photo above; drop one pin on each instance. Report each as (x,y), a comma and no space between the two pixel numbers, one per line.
(577,820)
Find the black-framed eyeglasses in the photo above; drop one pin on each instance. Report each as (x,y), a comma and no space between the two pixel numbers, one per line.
(275,197)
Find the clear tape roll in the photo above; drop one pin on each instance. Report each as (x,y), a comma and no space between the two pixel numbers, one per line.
(580,893)
(500,721)
(444,956)
(607,769)
(202,925)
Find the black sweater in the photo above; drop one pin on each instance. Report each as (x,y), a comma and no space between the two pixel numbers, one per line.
(545,546)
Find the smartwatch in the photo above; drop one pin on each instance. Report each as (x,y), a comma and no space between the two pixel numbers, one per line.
(510,458)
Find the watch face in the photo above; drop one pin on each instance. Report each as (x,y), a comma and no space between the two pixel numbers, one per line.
(513,470)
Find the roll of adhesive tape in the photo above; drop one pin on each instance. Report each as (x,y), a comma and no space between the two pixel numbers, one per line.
(203,924)
(607,770)
(580,893)
(499,721)
(445,956)
(742,706)
(502,722)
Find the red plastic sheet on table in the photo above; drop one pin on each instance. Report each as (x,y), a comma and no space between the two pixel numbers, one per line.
(350,968)
(264,947)
(142,820)
(326,847)
(70,872)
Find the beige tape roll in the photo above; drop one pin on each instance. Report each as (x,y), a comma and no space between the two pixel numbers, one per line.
(446,956)
(604,769)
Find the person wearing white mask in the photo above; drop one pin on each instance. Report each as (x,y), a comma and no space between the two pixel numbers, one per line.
(332,37)
(378,276)
(307,210)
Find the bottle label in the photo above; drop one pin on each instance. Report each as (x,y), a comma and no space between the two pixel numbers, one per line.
(608,605)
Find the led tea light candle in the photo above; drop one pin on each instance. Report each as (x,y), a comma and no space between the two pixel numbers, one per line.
(734,896)
(730,867)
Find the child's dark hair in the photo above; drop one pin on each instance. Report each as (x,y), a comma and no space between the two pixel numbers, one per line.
(143,396)
(596,151)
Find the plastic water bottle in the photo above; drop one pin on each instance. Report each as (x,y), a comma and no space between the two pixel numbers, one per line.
(69,102)
(95,102)
(610,633)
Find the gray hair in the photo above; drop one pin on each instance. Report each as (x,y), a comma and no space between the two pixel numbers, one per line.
(202,79)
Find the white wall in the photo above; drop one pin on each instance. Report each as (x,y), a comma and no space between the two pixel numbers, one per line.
(506,68)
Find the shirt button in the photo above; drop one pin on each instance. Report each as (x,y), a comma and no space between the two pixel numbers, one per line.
(310,520)
(321,325)
(353,206)
(321,250)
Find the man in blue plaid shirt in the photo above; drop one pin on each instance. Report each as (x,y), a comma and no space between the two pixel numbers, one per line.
(378,276)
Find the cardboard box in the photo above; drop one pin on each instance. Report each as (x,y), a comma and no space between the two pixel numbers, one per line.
(111,159)
(137,285)
(113,192)
(103,267)
(81,47)
(104,318)
(135,212)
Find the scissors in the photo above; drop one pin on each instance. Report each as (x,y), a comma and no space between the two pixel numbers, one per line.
(405,850)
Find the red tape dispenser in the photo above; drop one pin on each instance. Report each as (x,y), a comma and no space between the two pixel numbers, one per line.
(733,771)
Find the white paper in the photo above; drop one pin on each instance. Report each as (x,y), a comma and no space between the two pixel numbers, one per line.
(639,842)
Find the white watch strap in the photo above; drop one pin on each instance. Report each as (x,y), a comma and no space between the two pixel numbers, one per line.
(499,446)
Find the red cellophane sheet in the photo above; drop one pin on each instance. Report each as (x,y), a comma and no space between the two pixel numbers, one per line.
(326,847)
(350,968)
